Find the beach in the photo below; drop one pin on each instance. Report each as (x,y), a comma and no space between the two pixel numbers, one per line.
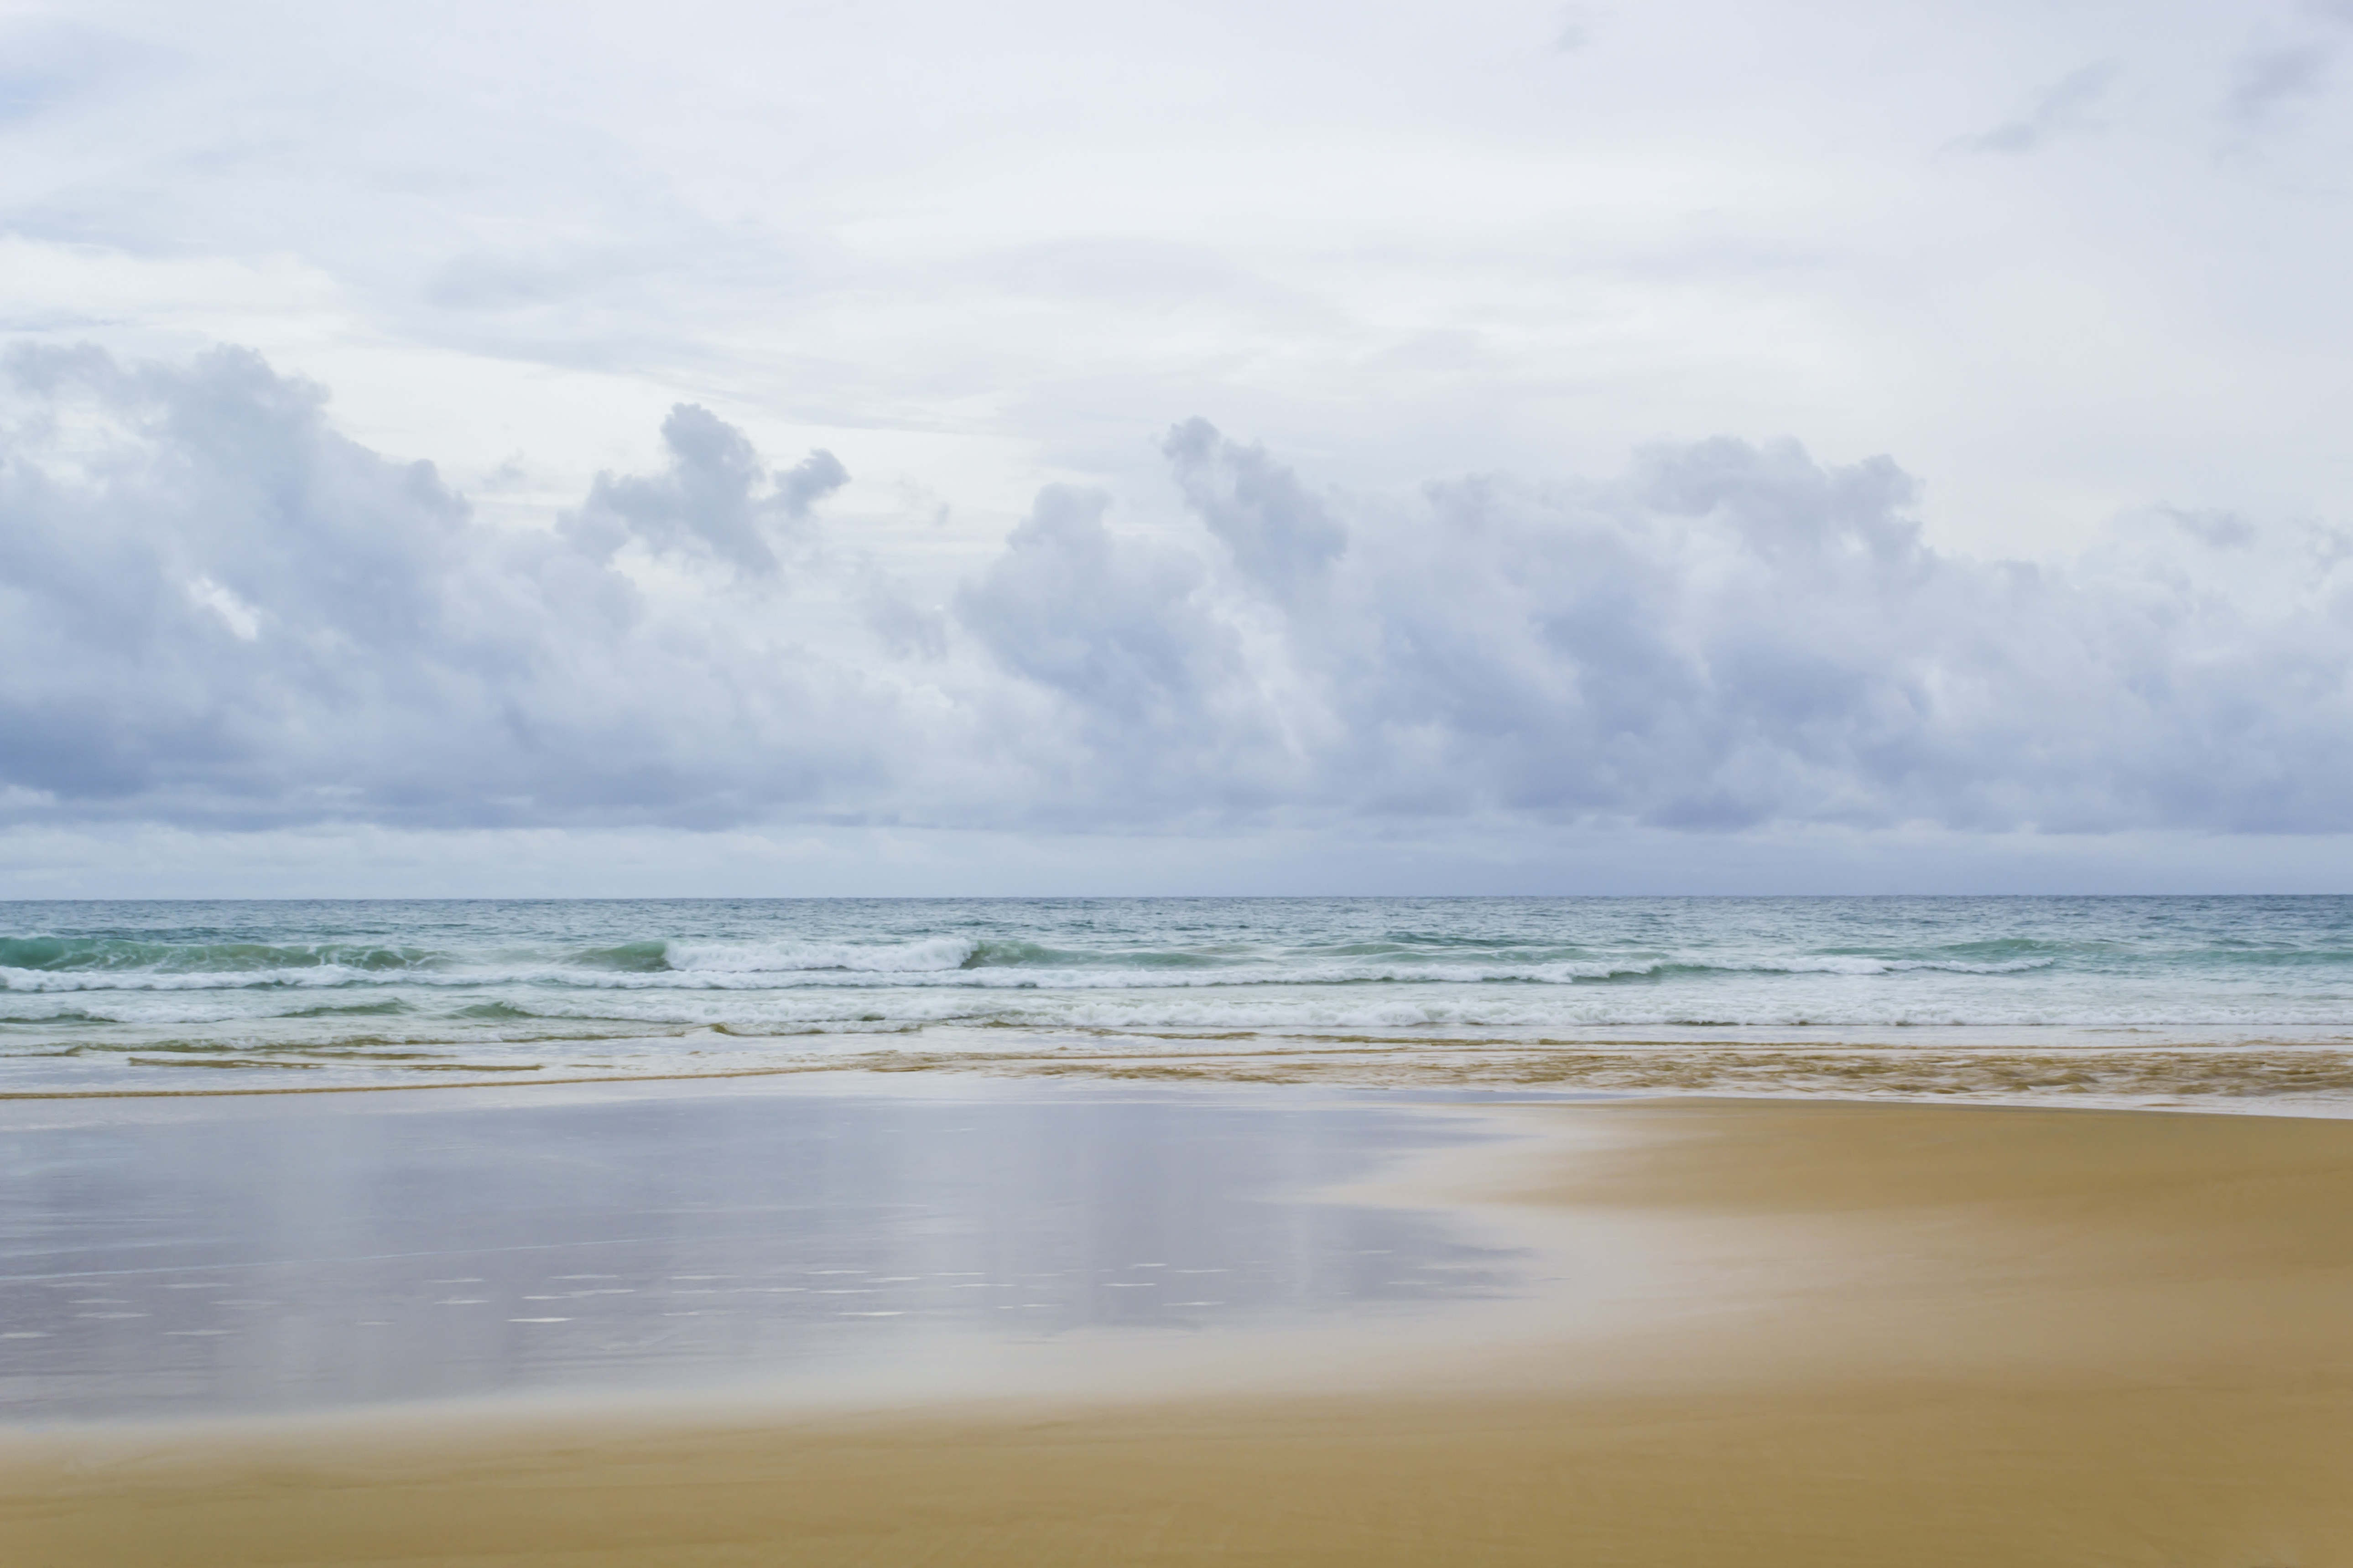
(1839,1333)
(910,786)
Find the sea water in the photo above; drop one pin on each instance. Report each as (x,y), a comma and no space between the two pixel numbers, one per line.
(2134,999)
(599,1206)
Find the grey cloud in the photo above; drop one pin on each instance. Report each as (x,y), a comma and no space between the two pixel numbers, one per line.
(47,64)
(2268,80)
(1116,627)
(216,485)
(906,629)
(810,481)
(216,609)
(1154,713)
(707,499)
(1579,27)
(477,282)
(2063,107)
(1280,536)
(2222,530)
(1732,636)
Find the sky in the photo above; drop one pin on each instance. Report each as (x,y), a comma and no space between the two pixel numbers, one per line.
(907,449)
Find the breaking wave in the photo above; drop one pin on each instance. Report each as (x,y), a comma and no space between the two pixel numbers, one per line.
(95,997)
(117,956)
(48,966)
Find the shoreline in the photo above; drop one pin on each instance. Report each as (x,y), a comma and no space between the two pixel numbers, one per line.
(2307,1075)
(1880,1332)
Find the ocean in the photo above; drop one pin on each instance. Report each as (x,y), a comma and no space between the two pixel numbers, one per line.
(2240,1002)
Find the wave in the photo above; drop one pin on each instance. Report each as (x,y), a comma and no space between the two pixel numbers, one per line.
(628,958)
(495,1012)
(648,985)
(389,1005)
(60,1018)
(925,955)
(740,981)
(82,955)
(960,964)
(43,962)
(957,960)
(1853,963)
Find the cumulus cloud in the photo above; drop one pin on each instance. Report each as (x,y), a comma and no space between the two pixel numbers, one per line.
(1282,538)
(216,610)
(1136,700)
(1726,636)
(707,499)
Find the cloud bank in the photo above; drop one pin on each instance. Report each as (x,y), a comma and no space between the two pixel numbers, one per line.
(216,611)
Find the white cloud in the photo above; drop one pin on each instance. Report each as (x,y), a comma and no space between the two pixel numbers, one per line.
(216,611)
(234,612)
(1282,539)
(986,247)
(359,647)
(707,499)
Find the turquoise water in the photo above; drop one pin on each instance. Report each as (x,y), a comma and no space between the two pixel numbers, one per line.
(166,996)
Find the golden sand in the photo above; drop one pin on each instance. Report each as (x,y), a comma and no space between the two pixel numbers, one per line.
(1894,1335)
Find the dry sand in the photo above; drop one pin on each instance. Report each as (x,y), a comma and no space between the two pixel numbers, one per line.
(1886,1335)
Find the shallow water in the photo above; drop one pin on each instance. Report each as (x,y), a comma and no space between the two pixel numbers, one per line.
(2068,993)
(269,1253)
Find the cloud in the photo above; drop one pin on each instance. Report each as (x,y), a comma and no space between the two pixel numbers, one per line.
(217,611)
(1150,707)
(1282,538)
(47,64)
(904,628)
(2267,81)
(707,500)
(213,608)
(2272,77)
(807,482)
(2063,107)
(1579,27)
(1732,636)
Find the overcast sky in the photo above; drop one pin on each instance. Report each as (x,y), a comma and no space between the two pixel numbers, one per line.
(845,447)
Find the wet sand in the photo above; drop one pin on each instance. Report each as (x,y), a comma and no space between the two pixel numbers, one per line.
(1868,1334)
(833,1241)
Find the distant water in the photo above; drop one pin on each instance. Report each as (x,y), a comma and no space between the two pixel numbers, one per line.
(175,995)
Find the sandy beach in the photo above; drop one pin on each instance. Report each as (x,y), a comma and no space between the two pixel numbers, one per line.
(919,785)
(1875,1334)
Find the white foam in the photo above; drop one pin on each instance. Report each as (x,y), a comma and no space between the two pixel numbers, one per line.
(777,958)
